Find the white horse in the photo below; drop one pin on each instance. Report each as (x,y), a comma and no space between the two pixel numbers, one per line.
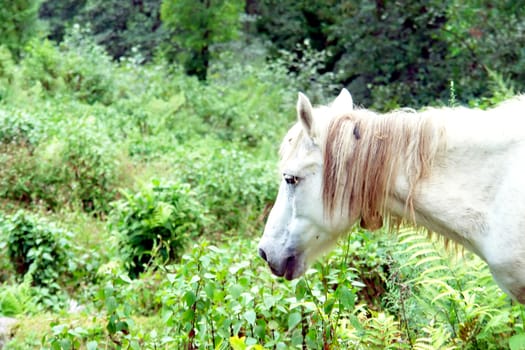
(458,172)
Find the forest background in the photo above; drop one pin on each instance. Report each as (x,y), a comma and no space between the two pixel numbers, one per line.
(138,160)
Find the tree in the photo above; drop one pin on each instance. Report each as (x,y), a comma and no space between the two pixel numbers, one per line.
(18,24)
(197,25)
(59,15)
(121,26)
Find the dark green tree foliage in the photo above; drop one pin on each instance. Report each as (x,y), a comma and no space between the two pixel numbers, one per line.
(59,15)
(388,52)
(121,26)
(18,23)
(288,23)
(485,37)
(197,25)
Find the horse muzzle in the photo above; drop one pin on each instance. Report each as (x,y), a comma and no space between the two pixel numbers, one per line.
(290,267)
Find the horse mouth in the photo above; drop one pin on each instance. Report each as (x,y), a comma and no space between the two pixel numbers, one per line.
(288,270)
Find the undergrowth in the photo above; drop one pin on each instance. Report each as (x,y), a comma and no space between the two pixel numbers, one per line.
(171,263)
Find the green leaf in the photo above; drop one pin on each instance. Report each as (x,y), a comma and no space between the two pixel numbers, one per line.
(111,327)
(293,319)
(92,345)
(111,304)
(189,298)
(250,316)
(236,290)
(300,289)
(166,316)
(65,344)
(346,297)
(517,342)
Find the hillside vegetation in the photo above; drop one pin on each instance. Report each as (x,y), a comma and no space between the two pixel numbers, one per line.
(138,162)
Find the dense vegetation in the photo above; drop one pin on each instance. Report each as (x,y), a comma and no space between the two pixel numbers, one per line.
(138,142)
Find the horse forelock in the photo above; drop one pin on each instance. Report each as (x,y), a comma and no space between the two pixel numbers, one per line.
(361,165)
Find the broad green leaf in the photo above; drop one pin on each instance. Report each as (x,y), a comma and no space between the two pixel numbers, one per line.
(293,319)
(517,342)
(250,316)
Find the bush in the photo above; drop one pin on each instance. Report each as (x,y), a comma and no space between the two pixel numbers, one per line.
(39,248)
(20,129)
(78,166)
(18,23)
(7,68)
(66,163)
(78,68)
(233,185)
(156,222)
(20,134)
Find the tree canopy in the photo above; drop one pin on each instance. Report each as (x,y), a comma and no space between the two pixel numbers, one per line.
(389,54)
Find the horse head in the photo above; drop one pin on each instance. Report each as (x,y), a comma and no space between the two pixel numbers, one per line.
(298,229)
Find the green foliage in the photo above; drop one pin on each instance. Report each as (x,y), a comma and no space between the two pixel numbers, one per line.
(220,296)
(78,67)
(78,167)
(76,125)
(390,53)
(17,299)
(38,248)
(59,15)
(125,28)
(196,25)
(484,38)
(307,70)
(156,222)
(18,24)
(65,164)
(7,71)
(460,295)
(233,186)
(393,54)
(19,136)
(214,296)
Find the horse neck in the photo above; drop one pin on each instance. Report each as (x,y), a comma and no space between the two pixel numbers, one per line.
(454,199)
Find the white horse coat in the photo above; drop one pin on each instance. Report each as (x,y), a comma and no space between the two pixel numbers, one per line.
(458,172)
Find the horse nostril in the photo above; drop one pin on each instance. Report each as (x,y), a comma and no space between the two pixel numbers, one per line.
(290,262)
(262,254)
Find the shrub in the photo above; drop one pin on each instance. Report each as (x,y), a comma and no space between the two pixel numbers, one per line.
(65,163)
(19,137)
(19,128)
(39,248)
(250,104)
(18,23)
(7,75)
(78,166)
(78,68)
(234,186)
(156,222)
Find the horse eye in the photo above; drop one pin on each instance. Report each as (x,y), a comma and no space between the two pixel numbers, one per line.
(290,179)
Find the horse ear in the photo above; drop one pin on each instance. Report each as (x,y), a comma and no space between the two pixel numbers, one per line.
(305,113)
(343,101)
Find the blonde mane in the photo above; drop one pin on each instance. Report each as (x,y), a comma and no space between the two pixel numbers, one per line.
(363,154)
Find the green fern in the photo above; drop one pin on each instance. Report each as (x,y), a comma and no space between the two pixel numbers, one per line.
(436,337)
(455,291)
(17,299)
(373,330)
